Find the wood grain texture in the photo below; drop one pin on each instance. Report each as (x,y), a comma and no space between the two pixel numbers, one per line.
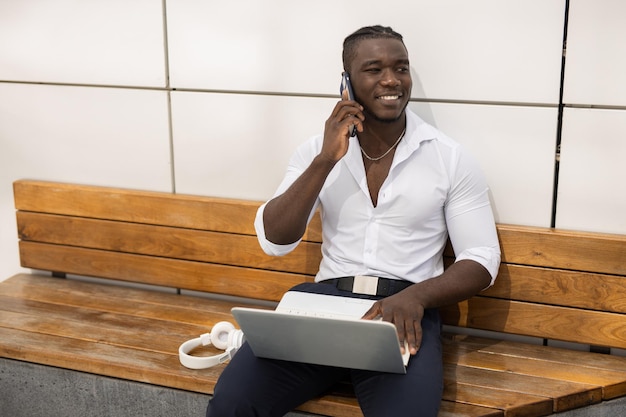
(136,206)
(560,287)
(175,273)
(552,284)
(539,320)
(128,333)
(164,242)
(563,249)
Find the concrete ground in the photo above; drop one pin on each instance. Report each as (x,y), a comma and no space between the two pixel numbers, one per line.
(31,390)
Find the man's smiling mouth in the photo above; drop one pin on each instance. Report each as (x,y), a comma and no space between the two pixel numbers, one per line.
(389,97)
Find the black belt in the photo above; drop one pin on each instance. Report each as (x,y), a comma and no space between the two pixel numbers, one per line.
(383,287)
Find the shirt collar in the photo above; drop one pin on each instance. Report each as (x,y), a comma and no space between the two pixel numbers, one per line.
(417,131)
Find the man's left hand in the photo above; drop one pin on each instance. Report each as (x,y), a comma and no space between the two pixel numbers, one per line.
(402,310)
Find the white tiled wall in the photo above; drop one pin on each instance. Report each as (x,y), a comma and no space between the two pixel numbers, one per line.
(102,136)
(592,193)
(515,146)
(596,53)
(592,190)
(115,42)
(471,50)
(86,96)
(238,145)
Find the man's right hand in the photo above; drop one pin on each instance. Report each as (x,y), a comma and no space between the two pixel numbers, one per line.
(337,130)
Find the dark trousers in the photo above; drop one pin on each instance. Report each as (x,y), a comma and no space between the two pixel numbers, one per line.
(250,386)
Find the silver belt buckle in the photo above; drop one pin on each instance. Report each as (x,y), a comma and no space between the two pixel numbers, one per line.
(364,284)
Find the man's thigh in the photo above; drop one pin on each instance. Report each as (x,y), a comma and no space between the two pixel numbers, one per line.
(418,393)
(265,387)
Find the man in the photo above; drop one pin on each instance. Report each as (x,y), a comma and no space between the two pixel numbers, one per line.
(389,198)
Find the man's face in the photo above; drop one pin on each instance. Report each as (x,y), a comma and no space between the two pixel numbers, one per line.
(381,78)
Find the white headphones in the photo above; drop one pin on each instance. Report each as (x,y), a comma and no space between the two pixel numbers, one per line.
(223,336)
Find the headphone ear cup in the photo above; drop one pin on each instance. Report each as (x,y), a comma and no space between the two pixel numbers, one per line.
(220,334)
(235,339)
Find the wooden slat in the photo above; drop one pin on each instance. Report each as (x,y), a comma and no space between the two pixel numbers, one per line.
(81,323)
(120,300)
(511,403)
(234,216)
(564,395)
(185,211)
(560,287)
(219,279)
(166,242)
(579,251)
(458,409)
(334,406)
(135,365)
(61,303)
(156,329)
(612,383)
(102,359)
(563,357)
(561,323)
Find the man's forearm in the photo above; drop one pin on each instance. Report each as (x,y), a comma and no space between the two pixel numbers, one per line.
(406,308)
(285,217)
(459,282)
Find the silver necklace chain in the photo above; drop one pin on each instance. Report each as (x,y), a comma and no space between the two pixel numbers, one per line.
(386,153)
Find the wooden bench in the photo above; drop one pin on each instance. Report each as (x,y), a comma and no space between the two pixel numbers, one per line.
(553,285)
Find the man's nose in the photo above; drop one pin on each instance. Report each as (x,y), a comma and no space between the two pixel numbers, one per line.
(389,78)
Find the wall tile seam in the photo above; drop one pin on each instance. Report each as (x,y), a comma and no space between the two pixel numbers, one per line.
(288,94)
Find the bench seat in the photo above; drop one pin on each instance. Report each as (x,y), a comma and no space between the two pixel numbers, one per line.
(188,264)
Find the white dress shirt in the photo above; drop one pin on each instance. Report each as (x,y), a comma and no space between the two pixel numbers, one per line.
(434,189)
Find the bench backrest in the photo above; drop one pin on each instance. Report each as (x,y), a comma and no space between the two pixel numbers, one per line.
(552,283)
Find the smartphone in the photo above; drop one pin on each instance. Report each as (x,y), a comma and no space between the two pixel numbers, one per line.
(345,85)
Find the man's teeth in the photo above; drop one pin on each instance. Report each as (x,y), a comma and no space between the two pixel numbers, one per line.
(389,97)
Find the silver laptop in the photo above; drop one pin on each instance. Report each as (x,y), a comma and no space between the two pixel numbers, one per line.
(324,330)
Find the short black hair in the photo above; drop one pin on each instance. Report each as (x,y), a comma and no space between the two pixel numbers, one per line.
(367,32)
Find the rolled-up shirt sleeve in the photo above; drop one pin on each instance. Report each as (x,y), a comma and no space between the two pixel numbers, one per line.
(474,237)
(300,160)
(469,218)
(268,247)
